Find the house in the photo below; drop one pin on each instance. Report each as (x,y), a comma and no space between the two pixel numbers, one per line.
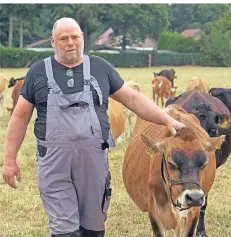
(105,38)
(194,33)
(104,49)
(40,45)
(147,43)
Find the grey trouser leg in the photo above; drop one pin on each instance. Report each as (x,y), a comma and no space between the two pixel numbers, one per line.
(72,188)
(77,233)
(57,191)
(91,164)
(91,233)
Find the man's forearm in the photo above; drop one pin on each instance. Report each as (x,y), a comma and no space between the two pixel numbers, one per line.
(14,137)
(147,109)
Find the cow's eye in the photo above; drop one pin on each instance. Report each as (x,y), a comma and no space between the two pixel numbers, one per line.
(172,165)
(202,117)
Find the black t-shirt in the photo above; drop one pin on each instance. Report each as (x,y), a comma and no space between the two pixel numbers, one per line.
(35,88)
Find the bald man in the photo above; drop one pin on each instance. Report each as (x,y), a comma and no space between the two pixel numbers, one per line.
(70,92)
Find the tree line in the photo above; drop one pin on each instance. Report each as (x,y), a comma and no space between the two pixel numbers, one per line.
(22,24)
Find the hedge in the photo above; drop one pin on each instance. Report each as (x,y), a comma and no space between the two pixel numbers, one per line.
(16,58)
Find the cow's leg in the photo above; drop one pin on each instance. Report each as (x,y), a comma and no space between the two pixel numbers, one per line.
(201,223)
(162,101)
(130,124)
(156,223)
(191,224)
(157,226)
(1,105)
(153,95)
(157,99)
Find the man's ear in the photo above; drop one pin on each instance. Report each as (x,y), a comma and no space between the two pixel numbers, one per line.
(52,41)
(213,143)
(153,145)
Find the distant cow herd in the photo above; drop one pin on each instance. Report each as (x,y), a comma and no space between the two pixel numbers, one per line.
(169,176)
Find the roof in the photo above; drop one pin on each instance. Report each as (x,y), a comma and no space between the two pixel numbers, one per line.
(147,43)
(104,37)
(191,32)
(40,43)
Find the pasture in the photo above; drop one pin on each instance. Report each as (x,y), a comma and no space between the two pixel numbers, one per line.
(22,215)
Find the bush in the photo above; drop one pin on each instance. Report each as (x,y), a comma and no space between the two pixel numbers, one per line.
(16,58)
(216,49)
(177,43)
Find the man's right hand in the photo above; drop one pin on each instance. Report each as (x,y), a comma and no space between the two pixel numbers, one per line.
(10,171)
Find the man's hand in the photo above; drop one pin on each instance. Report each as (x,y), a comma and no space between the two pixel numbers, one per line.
(10,171)
(174,126)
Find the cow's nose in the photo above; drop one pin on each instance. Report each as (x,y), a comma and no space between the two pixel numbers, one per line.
(194,198)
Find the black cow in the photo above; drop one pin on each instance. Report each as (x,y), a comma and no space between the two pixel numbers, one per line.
(169,74)
(211,112)
(222,94)
(12,81)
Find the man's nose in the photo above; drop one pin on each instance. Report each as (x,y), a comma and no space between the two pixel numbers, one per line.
(70,41)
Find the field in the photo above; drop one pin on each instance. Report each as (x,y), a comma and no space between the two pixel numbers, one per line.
(22,214)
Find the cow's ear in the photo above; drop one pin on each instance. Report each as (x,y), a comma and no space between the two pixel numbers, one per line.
(153,145)
(213,143)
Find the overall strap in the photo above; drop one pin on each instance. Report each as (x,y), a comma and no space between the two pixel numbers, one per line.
(88,79)
(49,72)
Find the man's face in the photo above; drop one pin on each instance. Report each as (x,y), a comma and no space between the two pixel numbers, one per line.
(68,43)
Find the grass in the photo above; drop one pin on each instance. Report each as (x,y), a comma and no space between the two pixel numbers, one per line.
(22,214)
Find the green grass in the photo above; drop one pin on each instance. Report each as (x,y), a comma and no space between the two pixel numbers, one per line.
(22,214)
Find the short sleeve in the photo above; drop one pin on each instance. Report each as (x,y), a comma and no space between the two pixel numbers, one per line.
(115,81)
(27,89)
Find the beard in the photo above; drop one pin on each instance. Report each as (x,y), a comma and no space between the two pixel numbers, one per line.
(70,58)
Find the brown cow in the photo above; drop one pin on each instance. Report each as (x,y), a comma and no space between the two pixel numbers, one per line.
(15,94)
(169,176)
(198,82)
(117,118)
(212,114)
(162,88)
(3,86)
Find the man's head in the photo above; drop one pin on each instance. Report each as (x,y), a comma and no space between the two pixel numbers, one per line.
(67,41)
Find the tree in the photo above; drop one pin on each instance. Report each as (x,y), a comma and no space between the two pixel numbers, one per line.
(135,21)
(19,13)
(182,16)
(216,47)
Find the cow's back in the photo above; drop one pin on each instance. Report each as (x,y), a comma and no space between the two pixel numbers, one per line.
(137,163)
(16,92)
(117,118)
(190,99)
(3,84)
(199,83)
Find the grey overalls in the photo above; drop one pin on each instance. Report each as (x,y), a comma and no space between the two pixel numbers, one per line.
(73,174)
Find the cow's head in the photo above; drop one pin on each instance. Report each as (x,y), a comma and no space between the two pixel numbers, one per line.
(173,91)
(173,73)
(156,74)
(209,119)
(12,82)
(184,157)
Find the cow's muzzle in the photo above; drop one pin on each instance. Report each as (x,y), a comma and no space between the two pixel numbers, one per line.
(191,198)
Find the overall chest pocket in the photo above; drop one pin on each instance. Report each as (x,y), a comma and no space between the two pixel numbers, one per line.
(75,121)
(76,108)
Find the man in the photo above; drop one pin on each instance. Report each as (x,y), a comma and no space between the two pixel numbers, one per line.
(70,92)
